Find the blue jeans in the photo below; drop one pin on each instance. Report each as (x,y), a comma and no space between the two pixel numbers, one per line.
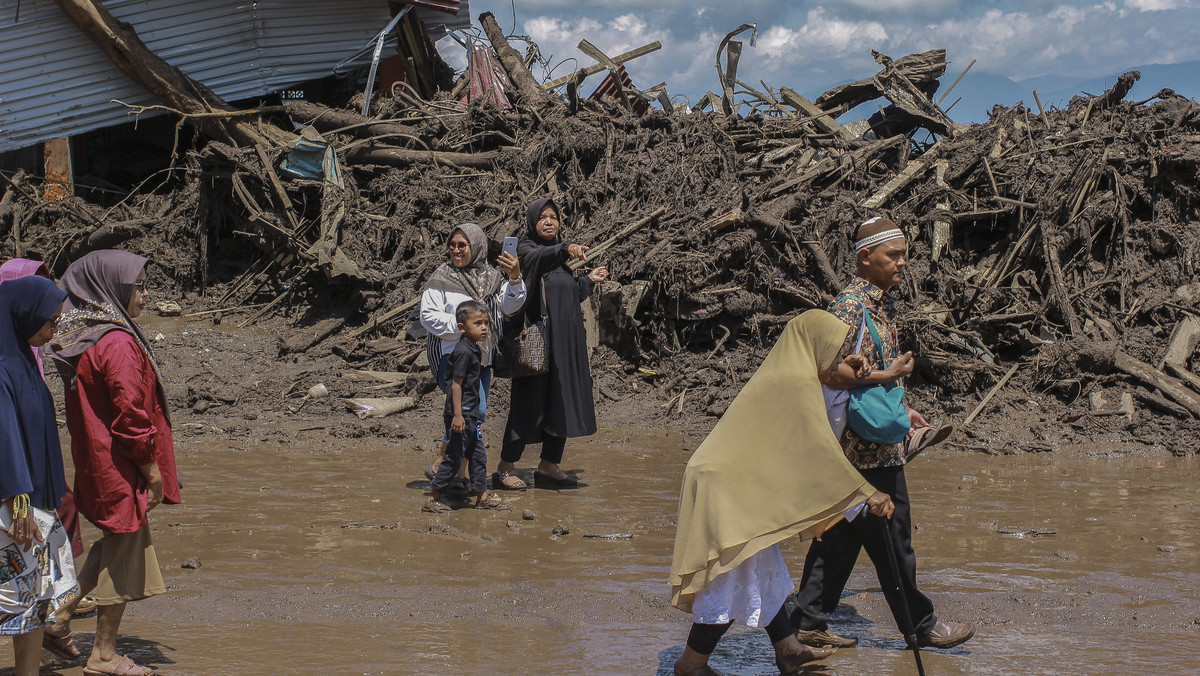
(468,445)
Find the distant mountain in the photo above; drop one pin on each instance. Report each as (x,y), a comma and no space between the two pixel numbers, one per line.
(1184,78)
(981,91)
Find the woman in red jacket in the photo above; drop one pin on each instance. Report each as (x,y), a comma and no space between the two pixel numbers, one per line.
(120,440)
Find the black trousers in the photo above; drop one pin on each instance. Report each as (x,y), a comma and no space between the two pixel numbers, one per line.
(831,559)
(552,448)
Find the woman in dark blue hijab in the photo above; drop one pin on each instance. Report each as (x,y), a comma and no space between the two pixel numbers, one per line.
(36,552)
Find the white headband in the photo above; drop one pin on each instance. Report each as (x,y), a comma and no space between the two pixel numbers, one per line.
(879,238)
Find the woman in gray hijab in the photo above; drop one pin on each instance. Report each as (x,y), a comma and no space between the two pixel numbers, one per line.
(467,275)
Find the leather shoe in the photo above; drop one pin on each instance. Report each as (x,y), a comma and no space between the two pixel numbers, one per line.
(824,638)
(946,635)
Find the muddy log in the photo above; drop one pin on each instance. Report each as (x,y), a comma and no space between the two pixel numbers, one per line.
(527,87)
(402,157)
(109,236)
(1169,386)
(326,119)
(168,84)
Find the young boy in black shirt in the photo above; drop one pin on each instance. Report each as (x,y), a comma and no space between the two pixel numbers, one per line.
(462,411)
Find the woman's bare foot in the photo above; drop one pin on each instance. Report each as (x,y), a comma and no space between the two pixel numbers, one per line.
(791,654)
(122,664)
(692,663)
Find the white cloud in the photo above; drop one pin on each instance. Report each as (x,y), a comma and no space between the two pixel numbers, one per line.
(558,39)
(821,35)
(822,43)
(1155,5)
(923,7)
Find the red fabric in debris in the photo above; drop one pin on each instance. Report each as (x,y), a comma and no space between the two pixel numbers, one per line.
(487,77)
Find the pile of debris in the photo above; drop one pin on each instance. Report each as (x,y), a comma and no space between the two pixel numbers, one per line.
(1050,250)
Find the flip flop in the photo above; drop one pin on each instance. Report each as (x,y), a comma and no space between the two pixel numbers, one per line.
(61,646)
(436,507)
(508,481)
(493,501)
(924,437)
(86,605)
(126,667)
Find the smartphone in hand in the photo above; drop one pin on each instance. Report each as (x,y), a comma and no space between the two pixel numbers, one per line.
(509,246)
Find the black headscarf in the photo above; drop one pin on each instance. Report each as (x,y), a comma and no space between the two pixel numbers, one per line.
(30,455)
(535,268)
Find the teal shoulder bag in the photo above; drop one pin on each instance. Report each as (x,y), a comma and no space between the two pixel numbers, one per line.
(877,412)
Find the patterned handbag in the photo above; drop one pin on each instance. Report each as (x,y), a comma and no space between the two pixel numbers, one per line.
(526,352)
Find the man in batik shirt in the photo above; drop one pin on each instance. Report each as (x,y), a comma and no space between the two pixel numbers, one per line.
(881,250)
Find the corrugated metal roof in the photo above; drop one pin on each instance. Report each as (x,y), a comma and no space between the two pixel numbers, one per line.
(56,82)
(438,24)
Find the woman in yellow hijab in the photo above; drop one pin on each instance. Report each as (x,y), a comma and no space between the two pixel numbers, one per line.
(771,469)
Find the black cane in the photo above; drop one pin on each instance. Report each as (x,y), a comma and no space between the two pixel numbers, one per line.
(905,619)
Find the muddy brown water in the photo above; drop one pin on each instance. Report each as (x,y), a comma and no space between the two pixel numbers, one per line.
(314,559)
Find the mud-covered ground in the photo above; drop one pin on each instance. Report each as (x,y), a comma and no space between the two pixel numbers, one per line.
(307,552)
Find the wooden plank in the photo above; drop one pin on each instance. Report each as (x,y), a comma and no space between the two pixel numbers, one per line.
(1183,342)
(379,319)
(285,203)
(1057,281)
(1041,111)
(613,69)
(990,394)
(955,83)
(596,68)
(624,233)
(910,173)
(821,118)
(1185,375)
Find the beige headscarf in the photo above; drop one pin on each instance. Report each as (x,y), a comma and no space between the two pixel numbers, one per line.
(771,468)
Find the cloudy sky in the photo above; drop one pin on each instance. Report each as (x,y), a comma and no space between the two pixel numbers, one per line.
(810,46)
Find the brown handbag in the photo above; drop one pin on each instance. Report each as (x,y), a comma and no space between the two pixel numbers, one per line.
(527,352)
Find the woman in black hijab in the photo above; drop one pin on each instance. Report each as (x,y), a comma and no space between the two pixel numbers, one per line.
(37,573)
(551,407)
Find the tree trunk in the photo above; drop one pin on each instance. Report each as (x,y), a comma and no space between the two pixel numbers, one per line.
(121,43)
(326,119)
(528,89)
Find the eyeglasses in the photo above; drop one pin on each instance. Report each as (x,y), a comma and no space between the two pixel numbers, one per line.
(458,245)
(140,286)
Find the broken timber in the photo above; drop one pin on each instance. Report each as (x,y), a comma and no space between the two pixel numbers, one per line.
(596,68)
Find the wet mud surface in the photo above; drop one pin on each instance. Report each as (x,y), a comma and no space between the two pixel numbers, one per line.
(308,552)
